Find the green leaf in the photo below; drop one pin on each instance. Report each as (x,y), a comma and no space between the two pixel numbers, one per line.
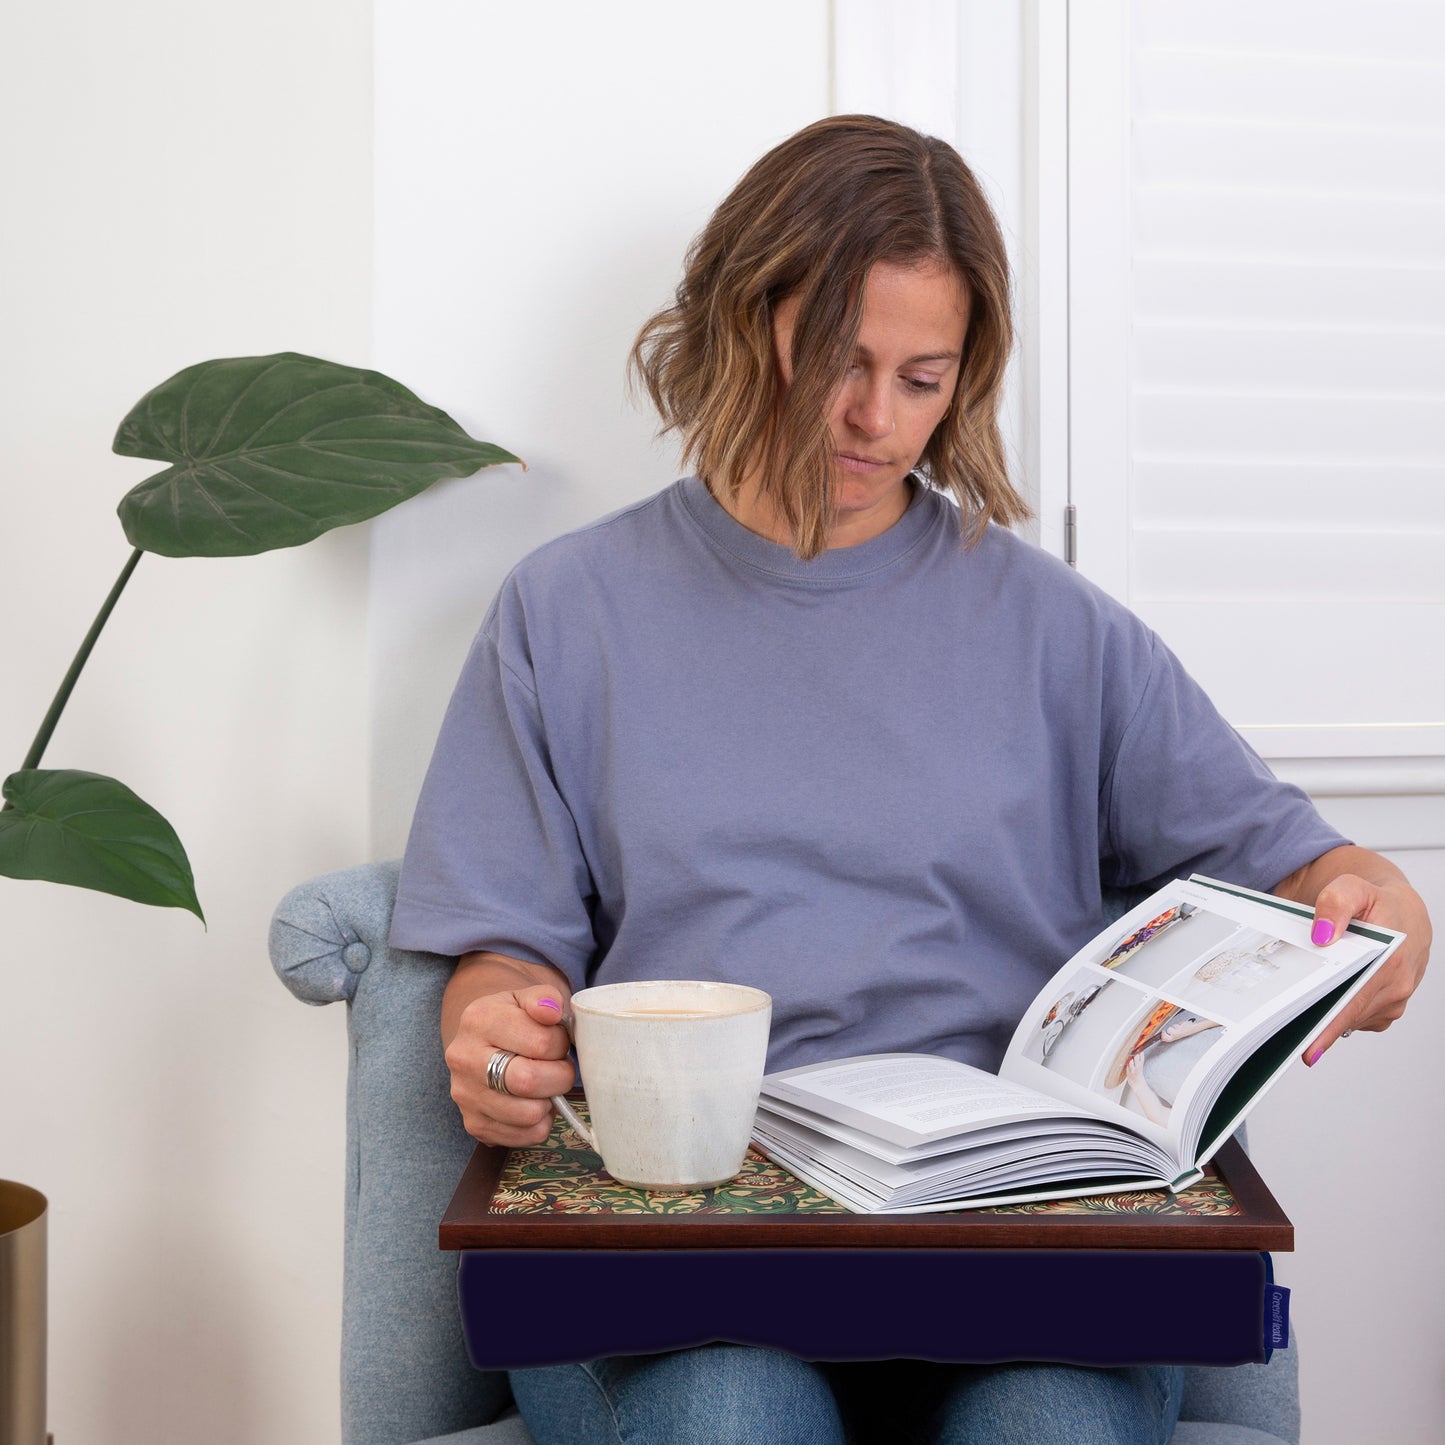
(271,451)
(64,826)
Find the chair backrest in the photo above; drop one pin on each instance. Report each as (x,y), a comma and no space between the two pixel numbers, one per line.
(405,1375)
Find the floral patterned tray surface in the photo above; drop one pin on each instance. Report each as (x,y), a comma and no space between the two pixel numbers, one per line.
(564,1176)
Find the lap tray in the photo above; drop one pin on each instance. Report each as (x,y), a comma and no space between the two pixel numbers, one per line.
(593,1268)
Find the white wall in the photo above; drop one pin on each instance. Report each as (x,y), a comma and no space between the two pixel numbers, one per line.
(180,182)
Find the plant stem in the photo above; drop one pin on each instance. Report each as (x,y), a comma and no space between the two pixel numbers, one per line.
(42,738)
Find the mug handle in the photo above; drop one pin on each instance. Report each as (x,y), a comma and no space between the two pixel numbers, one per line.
(563,1107)
(570,1115)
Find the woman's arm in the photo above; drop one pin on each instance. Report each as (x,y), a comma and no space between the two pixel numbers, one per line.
(1172,1033)
(497,1003)
(1348,883)
(1152,1106)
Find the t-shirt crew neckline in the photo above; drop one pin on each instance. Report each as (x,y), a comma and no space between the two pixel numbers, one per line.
(839,565)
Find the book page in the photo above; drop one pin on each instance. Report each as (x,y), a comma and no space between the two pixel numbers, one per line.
(1145,1023)
(980,1136)
(910,1099)
(864,1194)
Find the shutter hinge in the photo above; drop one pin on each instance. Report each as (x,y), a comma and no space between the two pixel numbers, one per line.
(1071,536)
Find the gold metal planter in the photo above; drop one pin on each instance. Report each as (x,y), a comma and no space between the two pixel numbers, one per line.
(22,1315)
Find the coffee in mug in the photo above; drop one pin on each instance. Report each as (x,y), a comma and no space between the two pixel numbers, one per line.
(671,1070)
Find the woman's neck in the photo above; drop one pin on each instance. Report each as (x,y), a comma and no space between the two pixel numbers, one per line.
(751,508)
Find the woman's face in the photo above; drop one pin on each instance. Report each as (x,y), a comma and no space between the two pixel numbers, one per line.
(897,389)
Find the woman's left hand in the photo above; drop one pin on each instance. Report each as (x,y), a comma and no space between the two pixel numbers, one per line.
(1371,889)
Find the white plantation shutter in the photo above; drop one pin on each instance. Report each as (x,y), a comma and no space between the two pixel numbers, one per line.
(1257,366)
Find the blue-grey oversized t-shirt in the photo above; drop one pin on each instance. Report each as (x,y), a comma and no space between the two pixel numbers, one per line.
(884,785)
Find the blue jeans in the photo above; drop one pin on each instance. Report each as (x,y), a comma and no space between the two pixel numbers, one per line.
(741,1395)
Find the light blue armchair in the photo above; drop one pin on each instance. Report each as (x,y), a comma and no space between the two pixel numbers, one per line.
(405,1375)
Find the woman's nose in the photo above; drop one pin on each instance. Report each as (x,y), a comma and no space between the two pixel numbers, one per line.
(870,409)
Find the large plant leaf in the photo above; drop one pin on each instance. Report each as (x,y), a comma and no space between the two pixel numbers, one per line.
(64,826)
(271,451)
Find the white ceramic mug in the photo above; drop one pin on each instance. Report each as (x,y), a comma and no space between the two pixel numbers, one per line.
(671,1070)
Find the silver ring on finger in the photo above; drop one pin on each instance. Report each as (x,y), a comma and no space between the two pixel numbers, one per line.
(1347,1033)
(497,1071)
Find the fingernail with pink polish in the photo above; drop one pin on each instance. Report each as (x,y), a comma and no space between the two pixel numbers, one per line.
(550,1003)
(1322,932)
(1312,1059)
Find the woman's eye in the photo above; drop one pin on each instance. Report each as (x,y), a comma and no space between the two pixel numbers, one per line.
(922,385)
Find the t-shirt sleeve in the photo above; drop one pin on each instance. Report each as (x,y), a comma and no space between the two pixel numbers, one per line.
(1185,793)
(493,860)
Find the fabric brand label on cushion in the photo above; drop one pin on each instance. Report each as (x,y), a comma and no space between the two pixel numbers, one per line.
(1276,1317)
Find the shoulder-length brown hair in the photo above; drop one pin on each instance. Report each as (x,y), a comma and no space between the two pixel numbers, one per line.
(810,219)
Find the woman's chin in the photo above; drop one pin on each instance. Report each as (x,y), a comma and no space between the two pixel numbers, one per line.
(855,496)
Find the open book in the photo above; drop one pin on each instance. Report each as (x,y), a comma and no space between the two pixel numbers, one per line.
(1131,1067)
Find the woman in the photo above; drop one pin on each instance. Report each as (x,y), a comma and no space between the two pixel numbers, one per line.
(814,720)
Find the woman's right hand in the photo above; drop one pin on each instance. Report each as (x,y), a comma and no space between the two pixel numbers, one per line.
(495,1004)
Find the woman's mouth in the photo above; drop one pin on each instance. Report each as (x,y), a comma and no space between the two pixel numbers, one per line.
(851,462)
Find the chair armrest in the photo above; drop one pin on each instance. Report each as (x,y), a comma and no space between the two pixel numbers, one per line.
(326,930)
(405,1375)
(1256,1399)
